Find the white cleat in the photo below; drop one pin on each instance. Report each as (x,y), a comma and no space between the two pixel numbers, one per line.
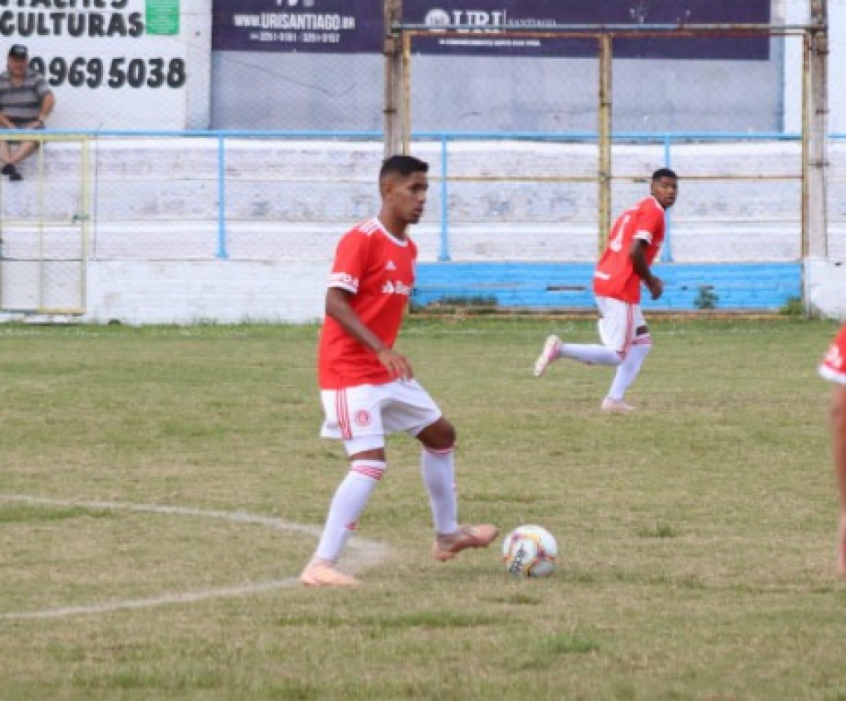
(548,355)
(614,406)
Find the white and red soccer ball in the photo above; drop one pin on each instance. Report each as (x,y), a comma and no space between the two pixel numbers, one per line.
(530,551)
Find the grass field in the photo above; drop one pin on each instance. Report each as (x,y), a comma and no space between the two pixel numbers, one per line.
(161,488)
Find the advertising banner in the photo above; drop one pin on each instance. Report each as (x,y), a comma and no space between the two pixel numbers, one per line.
(116,64)
(317,26)
(481,15)
(341,26)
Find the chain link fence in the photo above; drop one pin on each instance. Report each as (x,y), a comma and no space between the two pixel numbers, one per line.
(521,180)
(44,221)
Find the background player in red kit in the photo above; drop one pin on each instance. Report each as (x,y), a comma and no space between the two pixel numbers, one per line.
(368,389)
(633,244)
(833,368)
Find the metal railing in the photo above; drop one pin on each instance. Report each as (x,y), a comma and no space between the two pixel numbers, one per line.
(444,178)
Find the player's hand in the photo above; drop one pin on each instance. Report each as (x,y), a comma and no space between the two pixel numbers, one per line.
(655,286)
(397,365)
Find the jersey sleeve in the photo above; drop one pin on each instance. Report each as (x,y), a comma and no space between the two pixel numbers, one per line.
(350,262)
(833,366)
(648,224)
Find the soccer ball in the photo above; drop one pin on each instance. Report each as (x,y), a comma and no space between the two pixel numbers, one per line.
(529,551)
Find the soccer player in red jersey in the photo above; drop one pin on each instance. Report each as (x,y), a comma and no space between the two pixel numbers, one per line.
(833,368)
(633,245)
(368,390)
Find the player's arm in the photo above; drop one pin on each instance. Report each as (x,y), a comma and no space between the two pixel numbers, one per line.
(338,308)
(637,253)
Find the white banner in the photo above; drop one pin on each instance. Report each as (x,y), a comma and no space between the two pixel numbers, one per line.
(118,64)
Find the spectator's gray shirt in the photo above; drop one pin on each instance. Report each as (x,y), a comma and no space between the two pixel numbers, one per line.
(22,101)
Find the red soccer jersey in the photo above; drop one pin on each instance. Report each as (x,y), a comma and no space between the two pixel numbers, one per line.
(833,366)
(378,269)
(615,275)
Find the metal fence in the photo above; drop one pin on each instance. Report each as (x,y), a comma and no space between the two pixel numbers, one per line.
(738,115)
(44,227)
(289,196)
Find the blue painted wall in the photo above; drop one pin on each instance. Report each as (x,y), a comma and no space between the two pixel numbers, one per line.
(548,286)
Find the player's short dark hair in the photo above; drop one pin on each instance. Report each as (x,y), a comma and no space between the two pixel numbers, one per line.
(403,165)
(664,173)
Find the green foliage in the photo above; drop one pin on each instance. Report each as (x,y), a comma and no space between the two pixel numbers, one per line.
(696,534)
(793,307)
(706,298)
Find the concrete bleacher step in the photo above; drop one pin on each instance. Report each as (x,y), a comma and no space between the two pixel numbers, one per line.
(160,198)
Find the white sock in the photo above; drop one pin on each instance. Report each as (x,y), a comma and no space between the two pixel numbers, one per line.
(630,368)
(590,354)
(349,501)
(438,468)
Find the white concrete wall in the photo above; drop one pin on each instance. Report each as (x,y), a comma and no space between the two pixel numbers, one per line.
(825,287)
(186,292)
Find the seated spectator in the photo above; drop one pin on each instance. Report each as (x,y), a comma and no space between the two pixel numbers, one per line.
(25,103)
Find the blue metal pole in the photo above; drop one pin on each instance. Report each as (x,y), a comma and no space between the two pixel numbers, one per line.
(221,198)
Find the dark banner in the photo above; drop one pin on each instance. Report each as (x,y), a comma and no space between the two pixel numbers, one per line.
(324,26)
(541,14)
(345,26)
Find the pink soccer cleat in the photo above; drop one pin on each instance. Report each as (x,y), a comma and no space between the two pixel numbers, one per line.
(615,406)
(448,546)
(324,573)
(548,355)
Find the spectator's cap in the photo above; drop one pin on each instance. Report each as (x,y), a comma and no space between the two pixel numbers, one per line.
(18,51)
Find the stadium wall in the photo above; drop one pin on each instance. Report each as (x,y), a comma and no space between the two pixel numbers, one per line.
(825,287)
(186,292)
(287,292)
(160,252)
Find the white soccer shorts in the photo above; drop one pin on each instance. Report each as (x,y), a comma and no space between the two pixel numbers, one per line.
(362,416)
(618,323)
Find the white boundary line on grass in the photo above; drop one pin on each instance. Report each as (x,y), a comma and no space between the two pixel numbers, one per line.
(364,554)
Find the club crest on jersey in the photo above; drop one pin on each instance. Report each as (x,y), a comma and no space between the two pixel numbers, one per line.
(834,358)
(396,288)
(362,418)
